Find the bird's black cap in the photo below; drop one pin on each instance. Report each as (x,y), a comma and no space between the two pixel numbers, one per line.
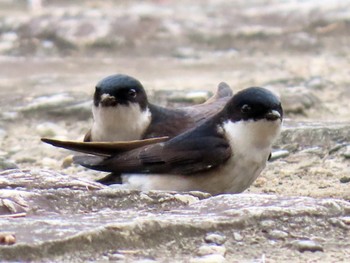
(254,103)
(123,89)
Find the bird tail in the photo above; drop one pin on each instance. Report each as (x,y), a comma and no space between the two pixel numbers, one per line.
(102,148)
(223,91)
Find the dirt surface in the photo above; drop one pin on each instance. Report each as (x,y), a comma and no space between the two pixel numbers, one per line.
(296,48)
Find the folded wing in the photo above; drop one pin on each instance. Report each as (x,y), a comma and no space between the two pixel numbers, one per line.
(184,156)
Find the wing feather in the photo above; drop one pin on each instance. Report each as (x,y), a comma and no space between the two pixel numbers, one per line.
(184,157)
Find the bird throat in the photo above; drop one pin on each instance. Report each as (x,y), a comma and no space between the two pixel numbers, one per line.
(121,123)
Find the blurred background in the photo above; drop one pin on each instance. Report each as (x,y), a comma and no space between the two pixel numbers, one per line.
(294,46)
(53,52)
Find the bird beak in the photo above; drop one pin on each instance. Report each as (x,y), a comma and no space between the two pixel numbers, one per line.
(273,115)
(108,100)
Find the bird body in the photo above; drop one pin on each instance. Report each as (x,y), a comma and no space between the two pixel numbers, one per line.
(121,112)
(251,152)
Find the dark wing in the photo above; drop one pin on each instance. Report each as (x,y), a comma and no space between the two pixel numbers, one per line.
(102,148)
(184,156)
(172,122)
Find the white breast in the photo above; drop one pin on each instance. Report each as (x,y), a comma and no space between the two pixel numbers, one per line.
(121,123)
(251,144)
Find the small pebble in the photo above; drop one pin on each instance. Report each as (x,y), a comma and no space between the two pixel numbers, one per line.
(307,245)
(215,258)
(68,161)
(346,154)
(187,199)
(7,239)
(277,234)
(215,238)
(344,180)
(260,182)
(267,224)
(278,154)
(237,236)
(211,249)
(318,83)
(336,148)
(346,220)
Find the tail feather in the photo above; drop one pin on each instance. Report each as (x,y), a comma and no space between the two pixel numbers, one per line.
(223,91)
(102,148)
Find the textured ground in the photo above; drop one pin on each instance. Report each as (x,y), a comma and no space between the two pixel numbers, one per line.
(49,65)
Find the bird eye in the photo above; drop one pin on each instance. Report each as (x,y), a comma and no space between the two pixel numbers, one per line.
(132,93)
(245,108)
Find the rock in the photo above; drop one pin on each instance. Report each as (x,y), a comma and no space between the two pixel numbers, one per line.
(337,147)
(278,154)
(237,236)
(307,245)
(215,238)
(186,199)
(14,202)
(6,164)
(319,83)
(7,238)
(346,220)
(307,135)
(68,161)
(260,182)
(345,180)
(277,234)
(48,103)
(298,100)
(43,179)
(65,218)
(69,105)
(205,250)
(346,153)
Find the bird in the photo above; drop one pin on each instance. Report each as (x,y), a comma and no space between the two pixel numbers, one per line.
(121,112)
(224,154)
